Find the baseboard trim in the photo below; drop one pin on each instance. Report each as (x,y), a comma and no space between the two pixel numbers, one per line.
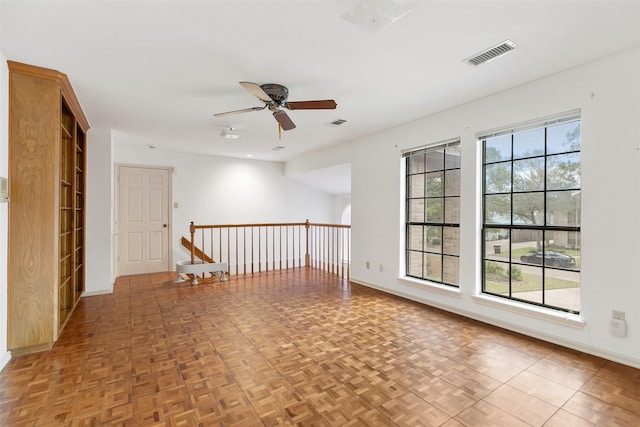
(595,351)
(4,359)
(98,292)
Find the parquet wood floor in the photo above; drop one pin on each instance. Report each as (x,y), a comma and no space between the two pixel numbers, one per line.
(301,348)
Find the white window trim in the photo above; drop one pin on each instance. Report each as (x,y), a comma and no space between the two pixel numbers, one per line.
(414,281)
(541,312)
(547,121)
(431,286)
(561,317)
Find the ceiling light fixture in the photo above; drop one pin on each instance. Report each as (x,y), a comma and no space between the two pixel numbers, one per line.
(374,15)
(229,133)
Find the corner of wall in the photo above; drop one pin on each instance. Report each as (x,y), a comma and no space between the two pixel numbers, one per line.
(99,219)
(4,359)
(4,213)
(101,291)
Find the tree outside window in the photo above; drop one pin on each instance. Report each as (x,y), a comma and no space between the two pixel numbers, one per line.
(433,213)
(531,221)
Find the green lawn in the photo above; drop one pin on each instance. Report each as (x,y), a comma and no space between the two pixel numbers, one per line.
(530,282)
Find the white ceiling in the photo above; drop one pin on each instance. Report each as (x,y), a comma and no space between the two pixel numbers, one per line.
(155,72)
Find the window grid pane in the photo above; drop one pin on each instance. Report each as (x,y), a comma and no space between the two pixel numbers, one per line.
(433,214)
(532,212)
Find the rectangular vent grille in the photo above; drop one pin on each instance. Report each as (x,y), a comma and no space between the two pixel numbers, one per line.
(337,122)
(491,53)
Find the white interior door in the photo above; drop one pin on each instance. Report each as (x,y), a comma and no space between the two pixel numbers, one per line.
(143,220)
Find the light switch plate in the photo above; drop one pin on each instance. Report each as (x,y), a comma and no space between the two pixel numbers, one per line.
(4,190)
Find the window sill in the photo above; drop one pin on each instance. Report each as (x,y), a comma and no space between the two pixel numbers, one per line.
(560,317)
(436,287)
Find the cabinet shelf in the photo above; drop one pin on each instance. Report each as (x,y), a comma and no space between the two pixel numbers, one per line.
(66,132)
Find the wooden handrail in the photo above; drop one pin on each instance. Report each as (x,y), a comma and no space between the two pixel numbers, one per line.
(261,224)
(248,248)
(197,251)
(269,224)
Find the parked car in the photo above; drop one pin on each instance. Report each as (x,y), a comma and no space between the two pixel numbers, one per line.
(551,259)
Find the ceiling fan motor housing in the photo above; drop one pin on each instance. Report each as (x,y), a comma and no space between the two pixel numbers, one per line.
(276,92)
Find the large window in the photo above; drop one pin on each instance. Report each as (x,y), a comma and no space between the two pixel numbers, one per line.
(531,221)
(433,213)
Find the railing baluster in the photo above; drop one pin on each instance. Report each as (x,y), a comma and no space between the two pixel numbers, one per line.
(280,247)
(299,246)
(316,254)
(326,246)
(192,230)
(212,236)
(259,249)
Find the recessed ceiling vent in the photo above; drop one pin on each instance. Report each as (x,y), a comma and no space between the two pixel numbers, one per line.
(337,122)
(491,53)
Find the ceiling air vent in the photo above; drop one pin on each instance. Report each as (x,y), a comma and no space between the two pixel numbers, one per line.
(491,53)
(337,122)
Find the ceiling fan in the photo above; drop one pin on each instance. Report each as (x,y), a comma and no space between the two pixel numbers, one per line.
(275,97)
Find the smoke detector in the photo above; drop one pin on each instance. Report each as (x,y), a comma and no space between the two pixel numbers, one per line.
(372,16)
(229,133)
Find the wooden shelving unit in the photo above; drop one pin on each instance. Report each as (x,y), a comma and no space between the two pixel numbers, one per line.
(47,139)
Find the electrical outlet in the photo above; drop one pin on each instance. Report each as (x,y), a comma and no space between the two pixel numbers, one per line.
(381,268)
(618,315)
(368,264)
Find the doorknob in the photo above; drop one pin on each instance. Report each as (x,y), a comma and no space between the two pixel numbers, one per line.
(164,225)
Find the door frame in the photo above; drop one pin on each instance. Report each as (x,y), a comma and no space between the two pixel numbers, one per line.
(116,213)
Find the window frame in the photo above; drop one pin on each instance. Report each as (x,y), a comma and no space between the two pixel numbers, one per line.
(449,278)
(545,228)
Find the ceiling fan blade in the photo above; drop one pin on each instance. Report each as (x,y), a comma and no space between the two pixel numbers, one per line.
(244,110)
(256,90)
(327,104)
(284,120)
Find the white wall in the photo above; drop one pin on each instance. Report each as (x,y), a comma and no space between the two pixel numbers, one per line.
(4,154)
(220,190)
(336,155)
(340,203)
(331,158)
(99,214)
(608,93)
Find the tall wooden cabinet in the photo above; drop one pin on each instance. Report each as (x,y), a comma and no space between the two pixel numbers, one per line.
(47,137)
